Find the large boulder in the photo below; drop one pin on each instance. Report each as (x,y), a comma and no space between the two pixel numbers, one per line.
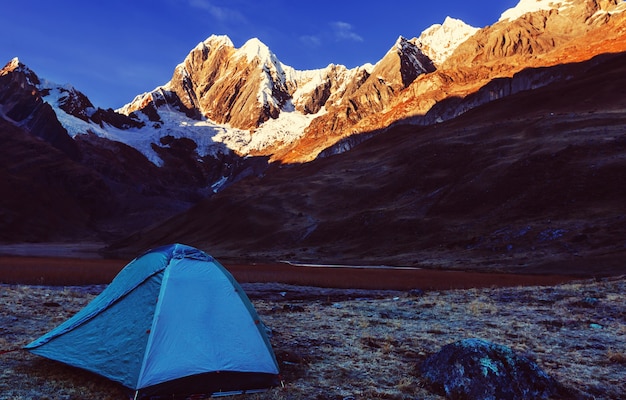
(478,369)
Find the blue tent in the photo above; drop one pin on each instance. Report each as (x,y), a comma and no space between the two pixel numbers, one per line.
(172,322)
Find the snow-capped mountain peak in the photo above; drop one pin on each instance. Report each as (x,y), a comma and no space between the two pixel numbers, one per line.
(440,40)
(254,48)
(217,40)
(527,6)
(15,65)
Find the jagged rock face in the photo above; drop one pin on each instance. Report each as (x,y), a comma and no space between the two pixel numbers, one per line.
(368,93)
(402,65)
(22,104)
(75,103)
(223,87)
(248,86)
(242,88)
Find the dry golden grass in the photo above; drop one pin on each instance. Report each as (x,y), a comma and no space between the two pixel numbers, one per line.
(337,343)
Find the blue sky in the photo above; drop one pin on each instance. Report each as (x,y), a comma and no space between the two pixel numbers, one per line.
(113,50)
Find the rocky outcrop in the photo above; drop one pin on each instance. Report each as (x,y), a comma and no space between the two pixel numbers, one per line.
(22,103)
(480,370)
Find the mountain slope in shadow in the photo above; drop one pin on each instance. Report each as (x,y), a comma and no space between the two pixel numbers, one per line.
(532,182)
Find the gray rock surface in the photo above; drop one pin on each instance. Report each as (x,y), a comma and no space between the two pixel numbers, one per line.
(478,369)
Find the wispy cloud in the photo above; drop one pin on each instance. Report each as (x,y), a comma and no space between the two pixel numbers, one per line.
(339,32)
(223,14)
(311,40)
(345,31)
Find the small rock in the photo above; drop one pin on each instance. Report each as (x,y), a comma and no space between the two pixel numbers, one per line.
(478,369)
(590,301)
(293,308)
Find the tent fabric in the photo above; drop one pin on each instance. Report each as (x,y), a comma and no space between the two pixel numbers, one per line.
(173,319)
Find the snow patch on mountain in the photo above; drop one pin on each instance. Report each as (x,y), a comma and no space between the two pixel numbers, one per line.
(527,6)
(439,41)
(619,8)
(307,82)
(175,124)
(211,138)
(285,129)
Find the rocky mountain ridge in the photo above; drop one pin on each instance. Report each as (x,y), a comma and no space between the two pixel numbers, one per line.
(247,87)
(542,38)
(247,102)
(227,111)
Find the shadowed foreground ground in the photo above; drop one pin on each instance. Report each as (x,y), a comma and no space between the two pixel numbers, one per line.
(341,333)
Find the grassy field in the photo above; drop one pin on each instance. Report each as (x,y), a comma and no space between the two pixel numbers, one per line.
(335,343)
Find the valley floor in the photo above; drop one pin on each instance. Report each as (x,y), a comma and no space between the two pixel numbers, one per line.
(353,343)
